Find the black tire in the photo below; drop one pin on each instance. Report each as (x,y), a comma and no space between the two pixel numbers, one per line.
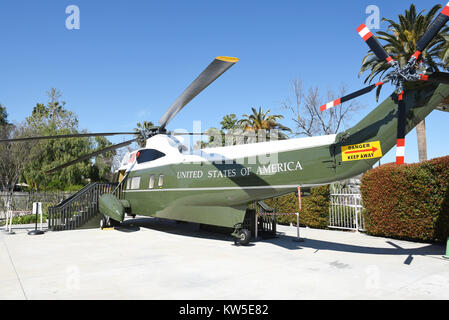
(244,237)
(114,223)
(102,223)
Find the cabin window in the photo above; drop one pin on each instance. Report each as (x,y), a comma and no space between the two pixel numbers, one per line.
(161,180)
(151,185)
(128,184)
(147,155)
(135,183)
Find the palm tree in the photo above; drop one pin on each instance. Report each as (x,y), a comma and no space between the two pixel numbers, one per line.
(261,120)
(142,127)
(401,39)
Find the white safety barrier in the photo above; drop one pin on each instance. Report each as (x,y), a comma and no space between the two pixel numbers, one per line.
(345,211)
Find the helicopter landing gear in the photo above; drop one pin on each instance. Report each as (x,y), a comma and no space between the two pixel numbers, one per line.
(107,222)
(104,223)
(242,236)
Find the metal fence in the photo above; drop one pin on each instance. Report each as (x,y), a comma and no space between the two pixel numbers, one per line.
(345,210)
(21,203)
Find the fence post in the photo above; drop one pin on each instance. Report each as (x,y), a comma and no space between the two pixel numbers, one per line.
(447,249)
(356,214)
(8,208)
(7,220)
(256,228)
(298,238)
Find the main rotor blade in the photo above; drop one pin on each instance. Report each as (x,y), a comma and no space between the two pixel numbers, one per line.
(211,134)
(400,145)
(65,136)
(433,30)
(209,75)
(440,77)
(350,96)
(91,155)
(374,44)
(189,134)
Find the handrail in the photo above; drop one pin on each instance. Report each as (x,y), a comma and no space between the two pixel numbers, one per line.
(80,208)
(265,206)
(75,194)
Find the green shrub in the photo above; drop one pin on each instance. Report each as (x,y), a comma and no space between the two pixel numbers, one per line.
(315,208)
(28,219)
(408,201)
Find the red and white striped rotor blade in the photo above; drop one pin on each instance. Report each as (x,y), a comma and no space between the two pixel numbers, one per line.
(350,96)
(439,77)
(374,44)
(400,144)
(433,30)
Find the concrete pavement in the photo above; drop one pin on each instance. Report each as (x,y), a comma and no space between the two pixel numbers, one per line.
(156,259)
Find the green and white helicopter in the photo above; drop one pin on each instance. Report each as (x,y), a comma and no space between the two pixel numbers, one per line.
(214,186)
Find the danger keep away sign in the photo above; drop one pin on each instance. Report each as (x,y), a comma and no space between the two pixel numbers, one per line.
(361,151)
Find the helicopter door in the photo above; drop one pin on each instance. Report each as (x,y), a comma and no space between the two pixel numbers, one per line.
(121,175)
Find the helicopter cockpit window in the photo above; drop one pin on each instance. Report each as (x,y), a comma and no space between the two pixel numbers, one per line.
(147,155)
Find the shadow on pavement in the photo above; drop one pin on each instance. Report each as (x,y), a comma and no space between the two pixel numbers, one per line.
(173,227)
(284,241)
(320,245)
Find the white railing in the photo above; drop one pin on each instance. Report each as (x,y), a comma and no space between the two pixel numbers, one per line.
(345,210)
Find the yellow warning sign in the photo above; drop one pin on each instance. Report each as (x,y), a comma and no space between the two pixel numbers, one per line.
(361,151)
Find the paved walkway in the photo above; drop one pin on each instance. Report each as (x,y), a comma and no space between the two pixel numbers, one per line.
(156,259)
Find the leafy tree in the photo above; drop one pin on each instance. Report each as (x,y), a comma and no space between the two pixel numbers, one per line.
(259,125)
(146,125)
(101,170)
(401,39)
(217,137)
(3,116)
(13,158)
(262,120)
(229,122)
(55,119)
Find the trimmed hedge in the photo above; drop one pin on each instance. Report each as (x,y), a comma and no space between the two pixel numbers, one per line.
(315,208)
(409,201)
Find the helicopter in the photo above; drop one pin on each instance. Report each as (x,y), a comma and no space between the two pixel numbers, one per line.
(213,186)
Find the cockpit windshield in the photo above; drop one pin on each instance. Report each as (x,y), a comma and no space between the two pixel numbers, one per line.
(147,155)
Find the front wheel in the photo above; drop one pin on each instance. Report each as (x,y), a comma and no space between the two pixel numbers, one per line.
(244,236)
(103,223)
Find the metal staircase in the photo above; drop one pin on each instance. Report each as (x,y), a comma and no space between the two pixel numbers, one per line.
(266,221)
(79,209)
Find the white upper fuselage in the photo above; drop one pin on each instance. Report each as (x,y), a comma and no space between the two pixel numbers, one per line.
(175,152)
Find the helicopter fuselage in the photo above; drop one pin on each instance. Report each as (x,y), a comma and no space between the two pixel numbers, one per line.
(215,185)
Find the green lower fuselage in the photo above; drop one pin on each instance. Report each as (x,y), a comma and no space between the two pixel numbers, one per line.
(218,193)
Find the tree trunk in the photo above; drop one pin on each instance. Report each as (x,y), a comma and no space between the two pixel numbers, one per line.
(422,143)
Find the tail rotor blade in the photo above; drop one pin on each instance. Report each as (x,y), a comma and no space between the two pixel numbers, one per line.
(351,96)
(374,44)
(439,77)
(433,30)
(400,145)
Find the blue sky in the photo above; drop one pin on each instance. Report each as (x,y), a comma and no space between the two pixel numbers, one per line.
(131,59)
